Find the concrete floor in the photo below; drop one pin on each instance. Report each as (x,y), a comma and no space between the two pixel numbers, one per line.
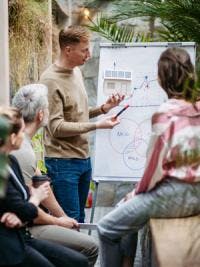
(99,213)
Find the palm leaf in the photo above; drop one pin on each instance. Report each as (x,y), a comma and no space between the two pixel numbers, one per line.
(111,31)
(181,16)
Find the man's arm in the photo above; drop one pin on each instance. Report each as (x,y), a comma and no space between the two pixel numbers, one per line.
(52,205)
(112,101)
(60,128)
(46,219)
(95,111)
(14,203)
(50,202)
(57,125)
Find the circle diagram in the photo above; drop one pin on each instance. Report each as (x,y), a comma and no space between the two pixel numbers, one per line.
(130,139)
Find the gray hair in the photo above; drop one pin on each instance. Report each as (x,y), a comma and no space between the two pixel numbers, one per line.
(30,99)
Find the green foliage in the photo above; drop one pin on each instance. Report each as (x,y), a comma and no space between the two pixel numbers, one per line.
(111,31)
(180,17)
(92,186)
(37,141)
(96,3)
(41,166)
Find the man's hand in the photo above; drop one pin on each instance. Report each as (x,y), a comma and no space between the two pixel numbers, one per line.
(107,122)
(11,220)
(67,222)
(112,102)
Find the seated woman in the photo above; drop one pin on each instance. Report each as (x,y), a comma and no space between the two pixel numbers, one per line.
(18,247)
(170,186)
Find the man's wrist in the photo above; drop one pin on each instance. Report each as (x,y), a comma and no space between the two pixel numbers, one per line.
(55,221)
(103,109)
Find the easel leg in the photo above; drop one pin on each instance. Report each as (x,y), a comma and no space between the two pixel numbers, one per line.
(93,205)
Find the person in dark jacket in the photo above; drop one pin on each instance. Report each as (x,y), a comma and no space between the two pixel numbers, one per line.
(17,245)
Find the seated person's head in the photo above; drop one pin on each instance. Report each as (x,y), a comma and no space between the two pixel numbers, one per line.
(32,102)
(176,73)
(16,129)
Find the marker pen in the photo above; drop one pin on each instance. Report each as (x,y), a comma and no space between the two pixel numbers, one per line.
(122,110)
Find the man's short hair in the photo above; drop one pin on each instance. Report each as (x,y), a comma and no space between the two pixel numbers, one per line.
(30,99)
(73,35)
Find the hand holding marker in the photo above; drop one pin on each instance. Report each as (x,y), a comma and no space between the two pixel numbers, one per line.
(120,112)
(110,121)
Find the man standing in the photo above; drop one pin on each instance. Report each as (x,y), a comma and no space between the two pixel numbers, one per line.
(66,136)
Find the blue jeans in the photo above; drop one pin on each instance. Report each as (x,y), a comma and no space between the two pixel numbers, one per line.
(71,181)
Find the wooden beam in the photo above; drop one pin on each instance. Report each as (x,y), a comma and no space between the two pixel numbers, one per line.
(4,54)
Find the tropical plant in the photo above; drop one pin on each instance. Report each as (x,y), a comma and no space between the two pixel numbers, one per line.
(38,145)
(113,32)
(180,19)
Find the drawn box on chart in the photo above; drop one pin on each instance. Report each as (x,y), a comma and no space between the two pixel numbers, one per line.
(117,81)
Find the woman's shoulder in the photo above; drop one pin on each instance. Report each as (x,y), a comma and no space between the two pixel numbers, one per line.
(163,113)
(162,118)
(13,161)
(170,108)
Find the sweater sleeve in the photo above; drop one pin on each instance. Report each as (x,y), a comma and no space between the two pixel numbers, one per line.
(94,112)
(15,203)
(58,127)
(14,200)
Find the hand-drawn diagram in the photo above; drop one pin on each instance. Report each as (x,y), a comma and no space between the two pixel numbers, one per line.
(120,153)
(130,139)
(141,89)
(145,84)
(146,91)
(117,81)
(127,142)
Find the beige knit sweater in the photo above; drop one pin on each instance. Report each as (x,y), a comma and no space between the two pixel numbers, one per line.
(66,135)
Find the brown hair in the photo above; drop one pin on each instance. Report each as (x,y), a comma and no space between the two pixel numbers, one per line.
(14,118)
(176,73)
(73,35)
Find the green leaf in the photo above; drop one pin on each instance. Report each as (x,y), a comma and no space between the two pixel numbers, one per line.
(179,19)
(117,34)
